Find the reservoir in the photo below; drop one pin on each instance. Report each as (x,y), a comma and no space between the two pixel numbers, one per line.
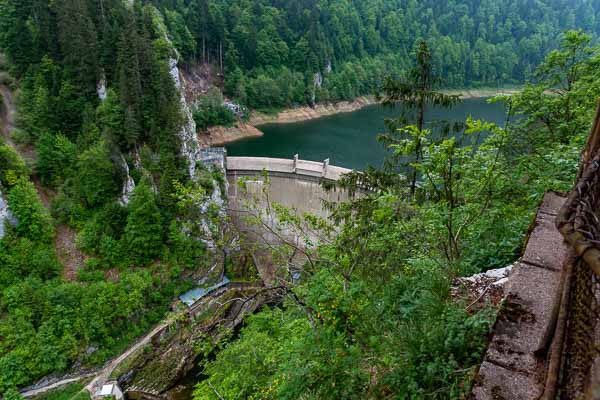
(349,139)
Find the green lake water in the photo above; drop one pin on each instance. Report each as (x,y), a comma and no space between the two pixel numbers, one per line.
(349,139)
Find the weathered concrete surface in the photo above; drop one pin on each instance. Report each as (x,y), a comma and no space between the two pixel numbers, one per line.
(526,315)
(292,183)
(546,247)
(514,364)
(295,184)
(552,203)
(501,383)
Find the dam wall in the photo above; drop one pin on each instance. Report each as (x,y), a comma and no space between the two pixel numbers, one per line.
(253,208)
(293,183)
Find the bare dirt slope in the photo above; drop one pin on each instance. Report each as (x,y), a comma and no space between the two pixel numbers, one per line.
(7,114)
(66,250)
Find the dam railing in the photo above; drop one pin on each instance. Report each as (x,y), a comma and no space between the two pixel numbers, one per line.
(294,166)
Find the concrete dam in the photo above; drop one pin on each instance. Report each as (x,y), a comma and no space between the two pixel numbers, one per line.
(293,183)
(258,186)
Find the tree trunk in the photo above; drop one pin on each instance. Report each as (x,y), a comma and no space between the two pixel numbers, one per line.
(418,144)
(221,56)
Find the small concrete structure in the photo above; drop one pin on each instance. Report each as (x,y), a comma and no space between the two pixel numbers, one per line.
(109,390)
(191,297)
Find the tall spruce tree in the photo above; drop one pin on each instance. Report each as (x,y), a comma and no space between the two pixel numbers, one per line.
(143,232)
(415,94)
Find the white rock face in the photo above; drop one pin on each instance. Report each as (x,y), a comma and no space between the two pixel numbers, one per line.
(128,185)
(318,80)
(190,146)
(192,151)
(6,216)
(101,88)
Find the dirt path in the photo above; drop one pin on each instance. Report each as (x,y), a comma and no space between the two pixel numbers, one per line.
(55,385)
(69,255)
(103,376)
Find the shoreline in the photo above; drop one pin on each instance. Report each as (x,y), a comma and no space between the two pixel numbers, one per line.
(482,93)
(307,113)
(220,135)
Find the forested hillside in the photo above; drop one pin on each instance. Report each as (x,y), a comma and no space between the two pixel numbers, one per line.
(101,158)
(99,127)
(270,50)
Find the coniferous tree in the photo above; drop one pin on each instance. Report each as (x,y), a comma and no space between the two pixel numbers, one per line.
(415,94)
(97,177)
(143,232)
(79,44)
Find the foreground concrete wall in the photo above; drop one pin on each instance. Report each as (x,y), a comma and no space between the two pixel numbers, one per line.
(514,364)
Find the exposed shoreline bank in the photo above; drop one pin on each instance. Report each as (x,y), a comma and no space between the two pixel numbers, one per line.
(219,135)
(308,113)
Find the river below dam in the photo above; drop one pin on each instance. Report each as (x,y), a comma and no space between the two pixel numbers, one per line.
(349,139)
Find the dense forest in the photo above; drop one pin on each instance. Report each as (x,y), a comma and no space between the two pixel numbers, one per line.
(270,51)
(102,172)
(98,159)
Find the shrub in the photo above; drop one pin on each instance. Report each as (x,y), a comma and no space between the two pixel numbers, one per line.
(97,178)
(210,111)
(56,155)
(21,136)
(21,257)
(12,166)
(143,232)
(33,219)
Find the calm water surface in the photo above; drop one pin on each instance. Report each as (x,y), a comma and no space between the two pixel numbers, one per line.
(348,140)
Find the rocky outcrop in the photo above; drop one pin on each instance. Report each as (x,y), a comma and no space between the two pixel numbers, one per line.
(101,89)
(6,216)
(128,183)
(171,354)
(190,146)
